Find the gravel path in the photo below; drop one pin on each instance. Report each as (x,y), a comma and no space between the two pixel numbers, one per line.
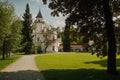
(23,69)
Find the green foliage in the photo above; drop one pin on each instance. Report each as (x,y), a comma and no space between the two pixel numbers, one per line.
(74,66)
(49,37)
(66,38)
(115,4)
(39,49)
(89,17)
(12,40)
(6,17)
(15,36)
(27,29)
(75,36)
(95,18)
(6,14)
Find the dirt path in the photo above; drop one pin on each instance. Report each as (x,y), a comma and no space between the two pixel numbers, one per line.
(23,69)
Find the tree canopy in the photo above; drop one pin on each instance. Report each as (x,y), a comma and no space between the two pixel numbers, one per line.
(94,19)
(6,17)
(27,29)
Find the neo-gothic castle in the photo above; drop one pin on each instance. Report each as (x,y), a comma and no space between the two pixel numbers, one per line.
(39,38)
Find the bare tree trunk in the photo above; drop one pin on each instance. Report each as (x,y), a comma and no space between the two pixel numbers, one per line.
(111,63)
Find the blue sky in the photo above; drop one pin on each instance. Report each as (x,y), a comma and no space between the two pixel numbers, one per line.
(35,5)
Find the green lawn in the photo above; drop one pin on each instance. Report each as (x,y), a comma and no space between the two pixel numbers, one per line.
(4,63)
(74,66)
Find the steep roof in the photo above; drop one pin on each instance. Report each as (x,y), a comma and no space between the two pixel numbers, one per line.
(39,15)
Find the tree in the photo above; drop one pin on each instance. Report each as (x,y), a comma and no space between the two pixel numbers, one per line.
(66,39)
(27,29)
(70,36)
(49,35)
(117,32)
(15,36)
(116,13)
(92,17)
(6,16)
(75,36)
(111,67)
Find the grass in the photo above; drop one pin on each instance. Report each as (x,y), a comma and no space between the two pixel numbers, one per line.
(6,62)
(74,66)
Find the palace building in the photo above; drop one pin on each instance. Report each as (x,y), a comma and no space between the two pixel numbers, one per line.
(44,35)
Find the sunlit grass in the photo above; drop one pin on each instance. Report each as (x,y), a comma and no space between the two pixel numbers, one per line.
(67,61)
(74,66)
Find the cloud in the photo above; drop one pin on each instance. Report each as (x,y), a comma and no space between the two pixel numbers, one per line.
(36,1)
(57,23)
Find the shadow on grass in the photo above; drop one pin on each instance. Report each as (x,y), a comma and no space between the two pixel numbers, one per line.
(21,75)
(79,74)
(103,62)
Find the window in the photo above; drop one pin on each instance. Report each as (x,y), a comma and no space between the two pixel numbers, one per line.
(53,48)
(38,39)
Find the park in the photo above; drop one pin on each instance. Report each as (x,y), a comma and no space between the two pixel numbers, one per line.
(60,40)
(59,66)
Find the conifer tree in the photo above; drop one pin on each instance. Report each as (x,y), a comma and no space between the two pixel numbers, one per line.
(27,40)
(66,40)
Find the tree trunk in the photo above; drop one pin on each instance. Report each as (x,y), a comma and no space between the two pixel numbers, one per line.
(111,63)
(66,41)
(46,49)
(3,50)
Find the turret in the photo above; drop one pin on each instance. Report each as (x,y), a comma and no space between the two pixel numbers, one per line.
(39,18)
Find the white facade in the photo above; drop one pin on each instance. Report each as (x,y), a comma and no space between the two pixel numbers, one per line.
(39,39)
(54,46)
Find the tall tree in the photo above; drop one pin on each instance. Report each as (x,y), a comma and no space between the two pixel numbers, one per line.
(15,36)
(27,41)
(13,39)
(66,39)
(92,17)
(111,67)
(6,16)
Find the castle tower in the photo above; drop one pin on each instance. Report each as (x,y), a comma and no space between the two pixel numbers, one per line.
(39,27)
(39,15)
(38,32)
(39,22)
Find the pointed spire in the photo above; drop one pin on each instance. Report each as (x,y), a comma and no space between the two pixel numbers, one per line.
(39,15)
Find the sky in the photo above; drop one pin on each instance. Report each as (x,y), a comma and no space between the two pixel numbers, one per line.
(35,6)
